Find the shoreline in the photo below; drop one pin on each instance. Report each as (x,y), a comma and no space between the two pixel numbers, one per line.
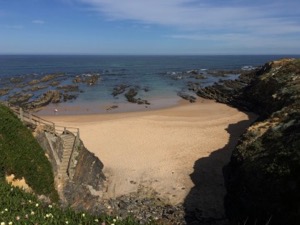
(95,108)
(159,148)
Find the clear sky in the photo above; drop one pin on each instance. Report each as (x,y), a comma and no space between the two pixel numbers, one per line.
(149,27)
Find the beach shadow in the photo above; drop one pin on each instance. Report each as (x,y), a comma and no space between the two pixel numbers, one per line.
(204,204)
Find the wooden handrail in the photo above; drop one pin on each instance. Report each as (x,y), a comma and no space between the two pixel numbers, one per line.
(49,126)
(34,119)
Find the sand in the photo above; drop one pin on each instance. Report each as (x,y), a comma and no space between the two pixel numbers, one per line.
(178,151)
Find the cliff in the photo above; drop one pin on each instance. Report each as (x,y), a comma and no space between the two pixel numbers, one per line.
(80,184)
(263,176)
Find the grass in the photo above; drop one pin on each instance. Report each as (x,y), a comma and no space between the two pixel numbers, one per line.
(18,207)
(22,156)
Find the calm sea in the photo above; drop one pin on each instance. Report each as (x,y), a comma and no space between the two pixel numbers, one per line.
(151,72)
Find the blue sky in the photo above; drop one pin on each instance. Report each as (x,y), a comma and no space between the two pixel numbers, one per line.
(149,27)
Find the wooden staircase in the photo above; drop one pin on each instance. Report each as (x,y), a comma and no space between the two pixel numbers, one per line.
(68,143)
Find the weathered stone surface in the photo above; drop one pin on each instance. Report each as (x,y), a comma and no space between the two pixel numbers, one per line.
(262,178)
(230,91)
(50,77)
(146,207)
(83,190)
(36,88)
(120,89)
(52,145)
(69,88)
(19,99)
(4,91)
(16,80)
(45,99)
(130,96)
(187,97)
(89,79)
(34,82)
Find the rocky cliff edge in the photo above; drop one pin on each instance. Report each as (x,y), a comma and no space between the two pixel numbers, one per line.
(263,176)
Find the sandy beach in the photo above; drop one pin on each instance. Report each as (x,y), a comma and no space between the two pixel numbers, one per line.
(179,151)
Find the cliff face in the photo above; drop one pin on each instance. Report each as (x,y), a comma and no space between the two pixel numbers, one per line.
(83,184)
(263,176)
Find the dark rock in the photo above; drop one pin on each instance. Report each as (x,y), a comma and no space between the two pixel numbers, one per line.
(90,79)
(54,83)
(50,77)
(130,96)
(78,79)
(68,97)
(19,99)
(69,88)
(112,107)
(52,96)
(86,179)
(262,178)
(120,89)
(187,97)
(16,80)
(230,91)
(194,72)
(145,208)
(224,73)
(36,88)
(4,91)
(34,82)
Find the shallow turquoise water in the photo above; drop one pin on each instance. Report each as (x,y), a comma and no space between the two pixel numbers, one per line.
(152,72)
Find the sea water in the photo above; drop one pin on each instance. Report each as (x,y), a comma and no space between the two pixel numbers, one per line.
(151,72)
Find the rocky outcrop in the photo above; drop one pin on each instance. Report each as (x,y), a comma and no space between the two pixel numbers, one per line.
(262,178)
(230,91)
(52,96)
(187,97)
(131,97)
(45,99)
(119,89)
(84,185)
(89,79)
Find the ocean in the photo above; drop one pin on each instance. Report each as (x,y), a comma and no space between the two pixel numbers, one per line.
(162,76)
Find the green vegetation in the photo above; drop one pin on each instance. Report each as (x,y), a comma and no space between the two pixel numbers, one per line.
(18,208)
(263,180)
(22,156)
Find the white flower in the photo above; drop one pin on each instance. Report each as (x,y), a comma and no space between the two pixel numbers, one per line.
(2,223)
(67,222)
(29,201)
(10,223)
(18,218)
(114,220)
(96,220)
(37,205)
(32,213)
(49,215)
(83,215)
(5,210)
(50,206)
